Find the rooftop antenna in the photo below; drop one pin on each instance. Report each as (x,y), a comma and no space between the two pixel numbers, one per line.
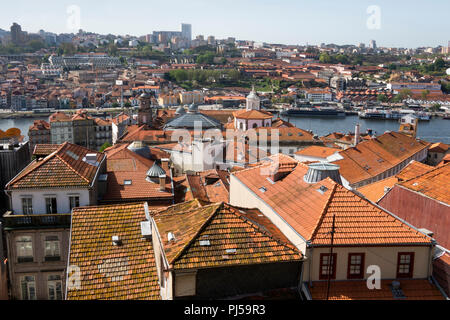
(331,260)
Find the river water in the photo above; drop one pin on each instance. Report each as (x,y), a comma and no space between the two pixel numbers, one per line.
(436,130)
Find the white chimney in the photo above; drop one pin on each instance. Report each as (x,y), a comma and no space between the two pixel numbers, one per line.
(357,134)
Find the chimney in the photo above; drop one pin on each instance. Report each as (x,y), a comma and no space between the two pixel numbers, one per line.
(357,134)
(320,171)
(165,164)
(162,182)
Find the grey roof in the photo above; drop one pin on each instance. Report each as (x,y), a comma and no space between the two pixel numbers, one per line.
(155,171)
(188,121)
(320,171)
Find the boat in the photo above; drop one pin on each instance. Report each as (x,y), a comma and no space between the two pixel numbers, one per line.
(383,114)
(313,112)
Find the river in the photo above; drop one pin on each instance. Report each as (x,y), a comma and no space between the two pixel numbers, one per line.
(436,130)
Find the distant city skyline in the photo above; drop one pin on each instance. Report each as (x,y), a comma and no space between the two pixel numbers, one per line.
(398,23)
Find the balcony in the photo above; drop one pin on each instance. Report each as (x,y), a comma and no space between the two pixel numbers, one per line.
(12,221)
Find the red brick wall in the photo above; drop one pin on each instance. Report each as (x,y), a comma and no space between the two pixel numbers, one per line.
(420,211)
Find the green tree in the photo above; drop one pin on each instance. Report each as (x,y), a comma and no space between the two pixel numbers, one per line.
(425,94)
(382,98)
(106,145)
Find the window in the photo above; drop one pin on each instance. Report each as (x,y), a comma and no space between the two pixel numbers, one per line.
(50,204)
(355,266)
(27,206)
(28,285)
(327,267)
(24,245)
(51,248)
(74,202)
(405,265)
(54,285)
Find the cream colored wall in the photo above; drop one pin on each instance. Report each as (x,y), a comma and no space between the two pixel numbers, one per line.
(241,196)
(166,292)
(384,257)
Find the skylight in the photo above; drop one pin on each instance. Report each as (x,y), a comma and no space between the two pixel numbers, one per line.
(263,189)
(127,182)
(322,189)
(72,155)
(205,243)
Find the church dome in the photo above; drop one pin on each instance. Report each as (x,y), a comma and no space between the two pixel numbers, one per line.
(193,108)
(180,110)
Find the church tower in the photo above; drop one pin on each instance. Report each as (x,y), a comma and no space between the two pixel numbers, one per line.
(145,115)
(253,101)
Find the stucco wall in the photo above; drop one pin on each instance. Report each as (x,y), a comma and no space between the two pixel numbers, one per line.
(384,257)
(62,199)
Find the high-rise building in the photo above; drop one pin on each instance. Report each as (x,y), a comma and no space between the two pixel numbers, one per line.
(16,33)
(211,40)
(373,44)
(186,31)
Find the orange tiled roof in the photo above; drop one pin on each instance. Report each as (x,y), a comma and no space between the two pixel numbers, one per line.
(108,272)
(373,157)
(43,150)
(412,170)
(309,211)
(63,168)
(357,290)
(252,238)
(211,186)
(252,114)
(139,190)
(439,147)
(318,151)
(433,184)
(375,191)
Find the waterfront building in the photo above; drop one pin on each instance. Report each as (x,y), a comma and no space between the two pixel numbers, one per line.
(39,133)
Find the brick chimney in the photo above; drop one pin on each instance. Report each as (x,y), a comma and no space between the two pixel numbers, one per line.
(162,182)
(165,164)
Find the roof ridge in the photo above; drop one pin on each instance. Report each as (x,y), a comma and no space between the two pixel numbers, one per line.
(200,229)
(325,210)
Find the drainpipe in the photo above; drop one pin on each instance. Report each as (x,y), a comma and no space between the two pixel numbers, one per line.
(309,246)
(430,258)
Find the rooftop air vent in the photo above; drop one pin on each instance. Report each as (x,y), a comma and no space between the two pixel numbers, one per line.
(146,229)
(116,240)
(171,237)
(320,171)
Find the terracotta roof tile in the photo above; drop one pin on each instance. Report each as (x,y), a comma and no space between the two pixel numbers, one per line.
(63,168)
(109,272)
(318,151)
(309,211)
(434,183)
(412,170)
(43,150)
(233,236)
(357,290)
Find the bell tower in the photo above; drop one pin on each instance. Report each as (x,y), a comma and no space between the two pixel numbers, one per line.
(145,114)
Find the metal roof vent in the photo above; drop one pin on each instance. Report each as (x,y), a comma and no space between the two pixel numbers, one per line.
(320,171)
(146,229)
(116,240)
(154,173)
(397,291)
(171,237)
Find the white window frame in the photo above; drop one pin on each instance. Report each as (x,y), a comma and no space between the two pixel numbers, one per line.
(30,284)
(52,286)
(27,208)
(23,248)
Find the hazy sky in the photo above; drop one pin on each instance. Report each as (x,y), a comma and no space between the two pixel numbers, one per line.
(403,23)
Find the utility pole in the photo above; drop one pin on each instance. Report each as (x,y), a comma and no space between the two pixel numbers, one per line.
(331,259)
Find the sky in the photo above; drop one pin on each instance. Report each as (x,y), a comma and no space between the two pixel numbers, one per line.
(394,23)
